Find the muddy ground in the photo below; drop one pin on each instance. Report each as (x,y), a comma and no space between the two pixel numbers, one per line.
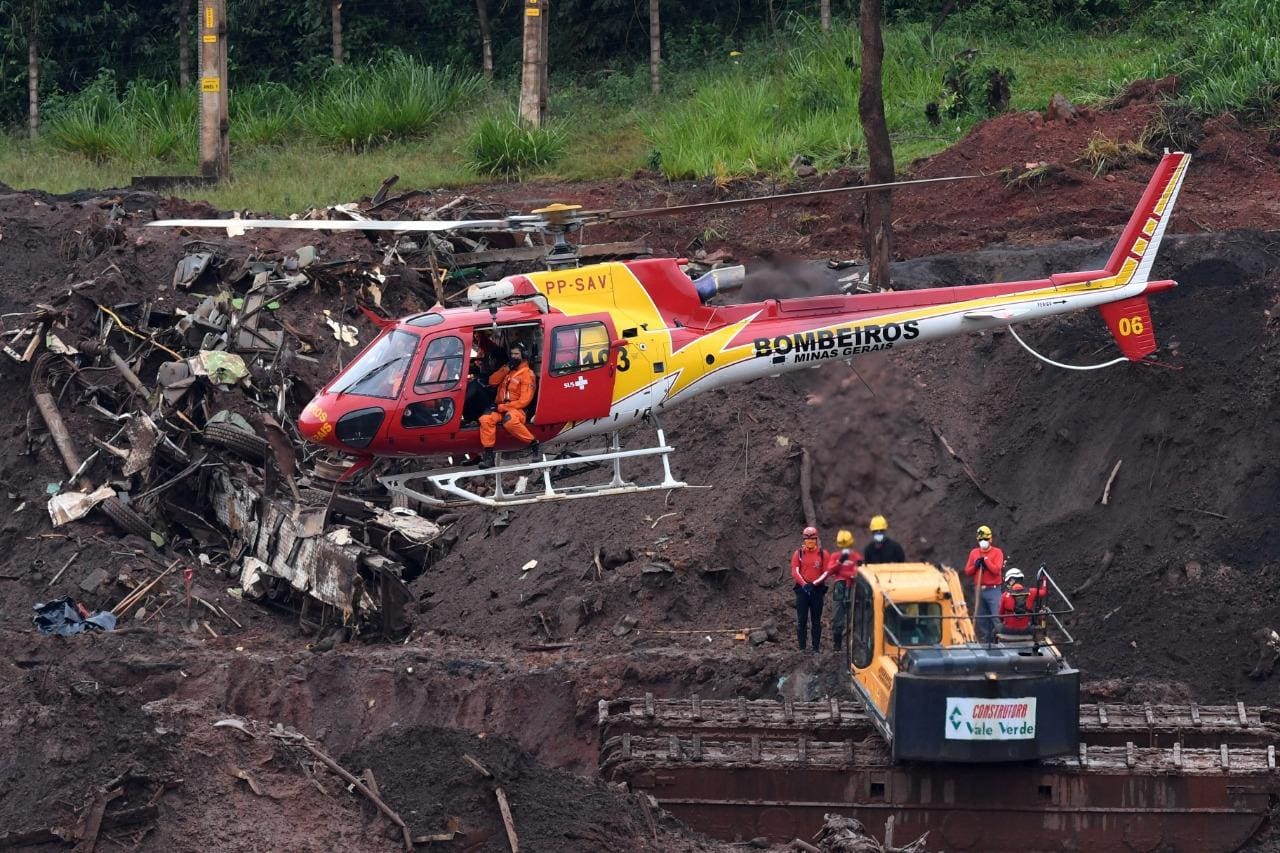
(1195,562)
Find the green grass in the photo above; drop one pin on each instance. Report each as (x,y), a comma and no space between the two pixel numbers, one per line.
(792,95)
(361,107)
(756,113)
(1234,62)
(501,147)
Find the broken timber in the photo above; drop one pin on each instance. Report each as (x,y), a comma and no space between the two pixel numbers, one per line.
(533,253)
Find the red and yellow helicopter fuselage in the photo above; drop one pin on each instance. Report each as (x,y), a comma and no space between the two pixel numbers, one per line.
(610,343)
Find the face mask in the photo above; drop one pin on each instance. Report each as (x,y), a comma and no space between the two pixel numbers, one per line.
(879,537)
(984,544)
(513,362)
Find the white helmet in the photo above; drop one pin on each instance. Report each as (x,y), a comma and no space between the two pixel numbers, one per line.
(1013,575)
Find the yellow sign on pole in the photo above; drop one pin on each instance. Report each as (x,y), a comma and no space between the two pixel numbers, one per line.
(210,84)
(533,11)
(209,39)
(208,17)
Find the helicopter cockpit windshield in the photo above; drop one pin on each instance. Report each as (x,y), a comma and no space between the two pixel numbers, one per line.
(381,369)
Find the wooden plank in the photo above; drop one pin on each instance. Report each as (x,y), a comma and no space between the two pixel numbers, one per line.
(533,253)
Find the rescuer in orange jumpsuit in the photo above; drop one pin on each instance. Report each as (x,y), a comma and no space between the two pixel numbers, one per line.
(516,384)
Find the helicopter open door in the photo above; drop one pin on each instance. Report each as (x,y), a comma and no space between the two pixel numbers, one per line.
(578,367)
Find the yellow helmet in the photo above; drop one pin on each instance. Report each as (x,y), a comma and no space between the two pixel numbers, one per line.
(844,539)
(984,532)
(879,523)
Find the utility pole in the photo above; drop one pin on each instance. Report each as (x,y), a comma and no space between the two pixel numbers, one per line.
(824,14)
(184,44)
(335,11)
(655,48)
(533,72)
(215,153)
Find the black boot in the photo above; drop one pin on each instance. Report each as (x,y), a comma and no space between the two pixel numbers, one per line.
(535,449)
(487,460)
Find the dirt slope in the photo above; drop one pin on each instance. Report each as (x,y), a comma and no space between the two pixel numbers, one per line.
(1195,556)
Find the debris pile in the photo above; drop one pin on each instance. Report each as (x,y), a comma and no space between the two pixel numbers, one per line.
(185,402)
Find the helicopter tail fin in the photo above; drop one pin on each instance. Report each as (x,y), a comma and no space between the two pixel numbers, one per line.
(1131,260)
(1130,323)
(1129,319)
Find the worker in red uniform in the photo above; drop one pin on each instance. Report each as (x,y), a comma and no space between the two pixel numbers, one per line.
(987,562)
(1017,604)
(516,385)
(809,571)
(843,568)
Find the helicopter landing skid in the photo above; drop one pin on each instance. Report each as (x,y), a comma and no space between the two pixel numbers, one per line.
(452,482)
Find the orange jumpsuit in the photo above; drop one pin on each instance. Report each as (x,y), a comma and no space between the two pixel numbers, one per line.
(515,393)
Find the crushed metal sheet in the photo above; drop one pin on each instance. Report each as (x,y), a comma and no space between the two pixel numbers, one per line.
(190,268)
(283,543)
(70,506)
(348,335)
(408,524)
(143,437)
(55,344)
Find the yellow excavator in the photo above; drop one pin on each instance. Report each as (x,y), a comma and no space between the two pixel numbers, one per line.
(935,694)
(985,747)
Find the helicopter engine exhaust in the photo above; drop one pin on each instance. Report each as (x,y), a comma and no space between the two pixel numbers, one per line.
(722,280)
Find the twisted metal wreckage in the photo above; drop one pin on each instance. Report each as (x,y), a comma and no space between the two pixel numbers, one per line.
(183,467)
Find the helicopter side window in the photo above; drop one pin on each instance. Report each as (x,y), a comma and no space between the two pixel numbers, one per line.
(442,367)
(580,347)
(428,413)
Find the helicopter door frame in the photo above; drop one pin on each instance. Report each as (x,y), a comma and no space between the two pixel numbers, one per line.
(430,407)
(578,369)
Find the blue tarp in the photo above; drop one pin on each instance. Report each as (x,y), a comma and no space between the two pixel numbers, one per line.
(60,617)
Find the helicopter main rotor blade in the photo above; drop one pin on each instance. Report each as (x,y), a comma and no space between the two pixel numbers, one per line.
(242,225)
(614,215)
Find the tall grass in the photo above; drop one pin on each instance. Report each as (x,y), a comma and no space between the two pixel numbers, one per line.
(1233,63)
(358,107)
(799,95)
(791,95)
(501,146)
(263,114)
(150,120)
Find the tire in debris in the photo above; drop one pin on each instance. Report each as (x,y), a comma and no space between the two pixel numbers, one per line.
(243,444)
(125,518)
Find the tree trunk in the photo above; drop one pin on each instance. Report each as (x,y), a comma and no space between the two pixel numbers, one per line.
(877,231)
(544,59)
(335,11)
(824,14)
(486,39)
(184,44)
(532,81)
(655,48)
(33,79)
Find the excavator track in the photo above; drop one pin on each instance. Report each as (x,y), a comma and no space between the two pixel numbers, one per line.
(1146,777)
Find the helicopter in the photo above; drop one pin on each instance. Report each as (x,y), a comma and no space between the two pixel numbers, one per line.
(617,344)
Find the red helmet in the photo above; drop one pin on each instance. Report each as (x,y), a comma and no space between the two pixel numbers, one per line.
(811,533)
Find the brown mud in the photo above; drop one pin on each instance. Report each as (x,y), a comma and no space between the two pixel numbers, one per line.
(1195,554)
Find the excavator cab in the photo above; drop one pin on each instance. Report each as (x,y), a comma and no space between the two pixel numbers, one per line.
(936,694)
